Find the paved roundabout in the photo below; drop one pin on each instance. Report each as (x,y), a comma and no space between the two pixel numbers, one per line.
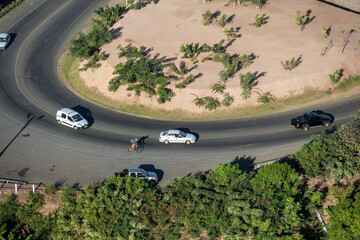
(34,148)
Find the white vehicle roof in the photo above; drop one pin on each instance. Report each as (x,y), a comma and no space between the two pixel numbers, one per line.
(3,35)
(68,111)
(173,131)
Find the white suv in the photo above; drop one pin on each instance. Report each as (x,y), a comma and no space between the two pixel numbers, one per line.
(71,118)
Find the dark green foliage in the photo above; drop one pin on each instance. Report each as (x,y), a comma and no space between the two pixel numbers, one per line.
(87,45)
(141,74)
(218,88)
(277,187)
(344,221)
(138,4)
(335,77)
(110,15)
(247,82)
(258,2)
(314,157)
(94,61)
(186,82)
(183,69)
(190,51)
(265,98)
(208,102)
(24,220)
(227,100)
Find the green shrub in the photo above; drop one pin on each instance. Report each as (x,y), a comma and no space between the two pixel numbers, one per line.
(232,33)
(290,65)
(50,189)
(87,45)
(344,218)
(218,88)
(110,15)
(187,81)
(227,100)
(138,4)
(265,98)
(207,17)
(224,75)
(315,157)
(247,82)
(335,77)
(211,103)
(301,20)
(223,21)
(259,21)
(324,32)
(190,51)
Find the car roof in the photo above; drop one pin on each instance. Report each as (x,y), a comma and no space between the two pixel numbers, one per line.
(68,111)
(135,170)
(4,35)
(173,131)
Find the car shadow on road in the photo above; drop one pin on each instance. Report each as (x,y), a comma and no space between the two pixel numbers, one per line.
(86,113)
(151,168)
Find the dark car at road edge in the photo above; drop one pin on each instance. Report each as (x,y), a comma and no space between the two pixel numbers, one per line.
(311,119)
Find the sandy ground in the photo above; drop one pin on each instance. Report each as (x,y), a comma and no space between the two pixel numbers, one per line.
(166,25)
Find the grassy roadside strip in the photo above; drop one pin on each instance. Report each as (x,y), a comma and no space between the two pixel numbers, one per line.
(69,71)
(10,7)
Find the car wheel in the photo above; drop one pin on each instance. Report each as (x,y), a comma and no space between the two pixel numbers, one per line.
(305,127)
(326,123)
(58,121)
(188,142)
(76,128)
(166,141)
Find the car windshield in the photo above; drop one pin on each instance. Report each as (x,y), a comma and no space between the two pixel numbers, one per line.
(77,118)
(182,134)
(165,133)
(3,40)
(144,172)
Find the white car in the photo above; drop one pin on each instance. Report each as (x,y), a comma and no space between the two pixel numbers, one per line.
(71,118)
(176,136)
(4,40)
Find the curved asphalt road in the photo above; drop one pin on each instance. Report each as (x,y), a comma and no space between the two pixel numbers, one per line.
(34,148)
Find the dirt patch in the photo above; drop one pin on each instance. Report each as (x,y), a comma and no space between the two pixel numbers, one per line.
(168,24)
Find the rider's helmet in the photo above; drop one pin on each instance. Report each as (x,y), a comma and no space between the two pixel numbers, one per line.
(135,139)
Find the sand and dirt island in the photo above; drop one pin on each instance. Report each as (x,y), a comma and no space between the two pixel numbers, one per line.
(164,27)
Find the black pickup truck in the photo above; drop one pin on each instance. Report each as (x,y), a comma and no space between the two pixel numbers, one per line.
(309,120)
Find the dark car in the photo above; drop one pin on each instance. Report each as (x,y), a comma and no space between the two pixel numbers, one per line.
(309,120)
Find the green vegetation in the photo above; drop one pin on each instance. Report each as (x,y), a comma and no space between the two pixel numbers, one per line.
(227,100)
(87,46)
(138,4)
(301,20)
(259,21)
(335,77)
(290,65)
(141,74)
(324,32)
(231,33)
(208,103)
(207,17)
(223,20)
(247,82)
(274,202)
(265,98)
(218,88)
(186,82)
